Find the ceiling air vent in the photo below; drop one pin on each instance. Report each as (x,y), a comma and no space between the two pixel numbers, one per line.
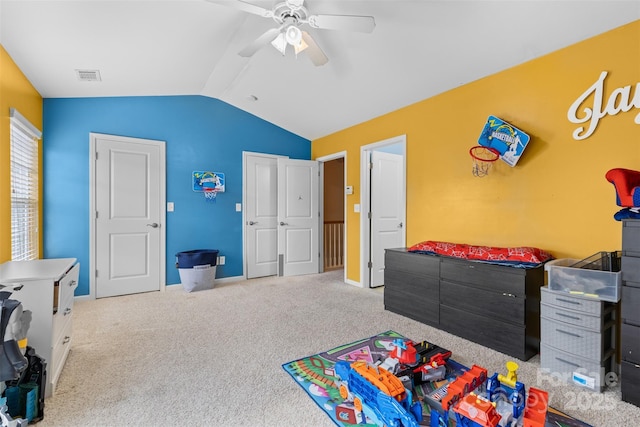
(88,75)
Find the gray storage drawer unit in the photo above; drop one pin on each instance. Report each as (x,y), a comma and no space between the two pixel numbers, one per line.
(577,338)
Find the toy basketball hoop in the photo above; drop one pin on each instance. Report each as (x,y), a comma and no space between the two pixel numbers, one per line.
(483,159)
(209,183)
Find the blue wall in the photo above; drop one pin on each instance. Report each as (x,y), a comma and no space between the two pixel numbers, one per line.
(201,134)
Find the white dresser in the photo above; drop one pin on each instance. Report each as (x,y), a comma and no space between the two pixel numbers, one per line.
(47,291)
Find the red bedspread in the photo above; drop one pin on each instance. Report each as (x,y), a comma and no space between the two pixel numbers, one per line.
(515,255)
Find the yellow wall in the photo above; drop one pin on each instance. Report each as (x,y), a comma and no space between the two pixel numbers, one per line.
(555,198)
(17,92)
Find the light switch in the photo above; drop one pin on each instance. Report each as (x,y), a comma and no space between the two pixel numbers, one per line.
(349,189)
(356,207)
(169,206)
(238,207)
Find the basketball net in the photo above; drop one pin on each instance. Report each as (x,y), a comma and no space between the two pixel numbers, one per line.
(210,194)
(483,159)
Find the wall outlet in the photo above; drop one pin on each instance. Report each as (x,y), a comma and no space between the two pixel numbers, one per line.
(221,260)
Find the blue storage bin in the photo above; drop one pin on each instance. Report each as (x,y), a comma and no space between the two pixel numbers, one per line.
(189,259)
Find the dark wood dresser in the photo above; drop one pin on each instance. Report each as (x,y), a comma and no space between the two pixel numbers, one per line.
(493,305)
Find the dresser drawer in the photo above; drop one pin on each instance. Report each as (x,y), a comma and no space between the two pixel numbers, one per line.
(424,287)
(506,338)
(69,282)
(631,304)
(630,382)
(630,269)
(630,343)
(574,369)
(425,265)
(59,353)
(62,315)
(60,321)
(408,305)
(574,317)
(562,299)
(575,340)
(494,278)
(483,302)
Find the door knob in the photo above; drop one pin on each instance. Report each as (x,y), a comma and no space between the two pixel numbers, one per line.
(253,222)
(400,225)
(283,223)
(153,225)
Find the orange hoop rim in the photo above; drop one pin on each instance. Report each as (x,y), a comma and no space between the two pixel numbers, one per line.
(493,151)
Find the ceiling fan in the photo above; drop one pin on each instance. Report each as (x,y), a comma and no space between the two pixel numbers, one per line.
(290,15)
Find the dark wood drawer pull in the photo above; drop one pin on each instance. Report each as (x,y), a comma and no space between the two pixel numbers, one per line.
(568,317)
(569,333)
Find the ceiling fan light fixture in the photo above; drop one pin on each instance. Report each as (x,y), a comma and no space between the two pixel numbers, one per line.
(293,35)
(280,43)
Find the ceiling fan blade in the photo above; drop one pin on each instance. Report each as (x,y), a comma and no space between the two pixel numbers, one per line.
(316,54)
(245,7)
(364,24)
(261,41)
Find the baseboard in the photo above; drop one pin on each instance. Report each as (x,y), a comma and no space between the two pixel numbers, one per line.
(175,286)
(353,283)
(168,287)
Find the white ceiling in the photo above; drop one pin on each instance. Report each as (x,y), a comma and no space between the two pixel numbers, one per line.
(418,49)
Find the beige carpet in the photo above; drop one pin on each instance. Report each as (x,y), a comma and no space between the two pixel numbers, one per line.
(213,358)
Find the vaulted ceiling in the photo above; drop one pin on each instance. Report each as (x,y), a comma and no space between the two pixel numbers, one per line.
(419,48)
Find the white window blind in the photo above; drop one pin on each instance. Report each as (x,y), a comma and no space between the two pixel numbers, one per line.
(24,188)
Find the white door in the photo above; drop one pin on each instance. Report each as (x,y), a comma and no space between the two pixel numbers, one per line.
(387,209)
(261,215)
(298,217)
(129,223)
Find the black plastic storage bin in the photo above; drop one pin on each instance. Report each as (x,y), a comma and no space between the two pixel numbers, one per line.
(197,268)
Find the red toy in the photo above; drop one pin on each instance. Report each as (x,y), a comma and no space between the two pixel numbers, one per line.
(627,185)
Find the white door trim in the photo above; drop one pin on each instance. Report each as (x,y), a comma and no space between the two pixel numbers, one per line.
(365,200)
(92,207)
(322,160)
